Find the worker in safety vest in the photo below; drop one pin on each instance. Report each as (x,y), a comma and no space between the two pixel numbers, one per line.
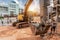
(20,17)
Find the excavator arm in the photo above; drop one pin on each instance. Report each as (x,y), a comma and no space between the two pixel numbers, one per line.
(26,9)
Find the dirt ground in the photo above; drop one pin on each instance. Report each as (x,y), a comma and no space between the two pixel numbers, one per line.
(11,33)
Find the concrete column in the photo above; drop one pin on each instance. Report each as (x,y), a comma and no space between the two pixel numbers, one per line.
(41,7)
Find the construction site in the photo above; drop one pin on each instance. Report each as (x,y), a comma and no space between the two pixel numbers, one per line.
(30,23)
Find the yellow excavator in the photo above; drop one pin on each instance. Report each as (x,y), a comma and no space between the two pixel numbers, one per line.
(24,16)
(26,24)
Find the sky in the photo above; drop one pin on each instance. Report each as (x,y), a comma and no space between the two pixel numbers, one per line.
(34,6)
(20,2)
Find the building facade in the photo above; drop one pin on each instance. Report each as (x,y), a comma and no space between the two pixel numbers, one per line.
(3,9)
(13,8)
(8,9)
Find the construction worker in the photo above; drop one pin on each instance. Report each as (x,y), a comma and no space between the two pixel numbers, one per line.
(20,17)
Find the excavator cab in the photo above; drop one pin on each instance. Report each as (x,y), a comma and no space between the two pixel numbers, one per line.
(23,19)
(20,17)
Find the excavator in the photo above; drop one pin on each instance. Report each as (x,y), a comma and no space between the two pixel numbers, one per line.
(25,18)
(26,23)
